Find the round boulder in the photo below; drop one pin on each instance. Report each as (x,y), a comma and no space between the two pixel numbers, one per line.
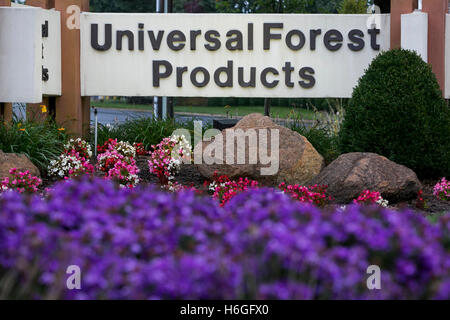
(259,149)
(21,162)
(352,173)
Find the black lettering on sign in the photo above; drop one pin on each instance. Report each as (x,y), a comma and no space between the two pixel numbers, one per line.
(269,36)
(108,37)
(252,82)
(206,77)
(250,36)
(301,39)
(235,41)
(313,34)
(228,71)
(180,71)
(120,34)
(306,74)
(356,37)
(45,75)
(264,81)
(175,40)
(333,36)
(373,38)
(194,35)
(288,69)
(45,29)
(141,37)
(214,43)
(157,74)
(155,41)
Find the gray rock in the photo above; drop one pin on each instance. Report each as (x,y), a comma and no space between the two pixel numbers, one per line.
(352,173)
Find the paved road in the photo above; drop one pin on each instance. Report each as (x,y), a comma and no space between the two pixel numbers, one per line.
(112,116)
(115,116)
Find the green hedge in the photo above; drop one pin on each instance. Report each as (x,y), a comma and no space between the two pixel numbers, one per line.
(397,110)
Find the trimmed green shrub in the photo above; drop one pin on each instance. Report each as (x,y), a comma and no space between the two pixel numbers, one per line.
(397,111)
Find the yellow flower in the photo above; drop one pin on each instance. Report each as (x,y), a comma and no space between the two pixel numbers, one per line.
(19,124)
(43,108)
(61,129)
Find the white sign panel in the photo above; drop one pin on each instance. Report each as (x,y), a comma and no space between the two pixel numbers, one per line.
(30,59)
(447,57)
(20,50)
(414,33)
(239,55)
(51,53)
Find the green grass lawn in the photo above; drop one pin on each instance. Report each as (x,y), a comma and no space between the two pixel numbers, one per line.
(277,112)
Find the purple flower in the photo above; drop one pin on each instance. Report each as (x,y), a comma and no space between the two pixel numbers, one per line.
(148,244)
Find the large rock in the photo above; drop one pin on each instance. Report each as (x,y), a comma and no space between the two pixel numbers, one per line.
(352,173)
(297,161)
(9,161)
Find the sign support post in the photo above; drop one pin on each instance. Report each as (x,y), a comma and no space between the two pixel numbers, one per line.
(169,108)
(437,10)
(158,101)
(399,7)
(72,110)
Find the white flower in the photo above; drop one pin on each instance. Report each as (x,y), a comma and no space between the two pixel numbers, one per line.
(383,203)
(74,143)
(182,149)
(63,165)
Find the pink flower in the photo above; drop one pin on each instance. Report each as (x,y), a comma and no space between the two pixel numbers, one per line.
(22,182)
(442,190)
(314,194)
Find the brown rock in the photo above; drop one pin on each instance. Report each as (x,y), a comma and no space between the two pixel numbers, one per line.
(9,161)
(297,162)
(352,173)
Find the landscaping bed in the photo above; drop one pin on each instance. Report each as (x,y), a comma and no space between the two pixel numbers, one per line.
(352,192)
(189,175)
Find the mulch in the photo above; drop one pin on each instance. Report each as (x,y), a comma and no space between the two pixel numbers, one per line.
(190,176)
(433,205)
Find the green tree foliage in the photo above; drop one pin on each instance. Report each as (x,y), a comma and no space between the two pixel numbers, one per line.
(397,111)
(190,6)
(353,6)
(122,6)
(278,6)
(194,6)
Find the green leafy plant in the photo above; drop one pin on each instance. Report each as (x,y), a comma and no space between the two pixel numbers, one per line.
(397,111)
(41,142)
(147,131)
(143,130)
(322,132)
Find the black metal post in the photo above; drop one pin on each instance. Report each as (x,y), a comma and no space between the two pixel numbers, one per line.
(267,107)
(159,100)
(2,111)
(170,100)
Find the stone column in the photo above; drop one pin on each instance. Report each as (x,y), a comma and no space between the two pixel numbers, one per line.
(436,9)
(399,7)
